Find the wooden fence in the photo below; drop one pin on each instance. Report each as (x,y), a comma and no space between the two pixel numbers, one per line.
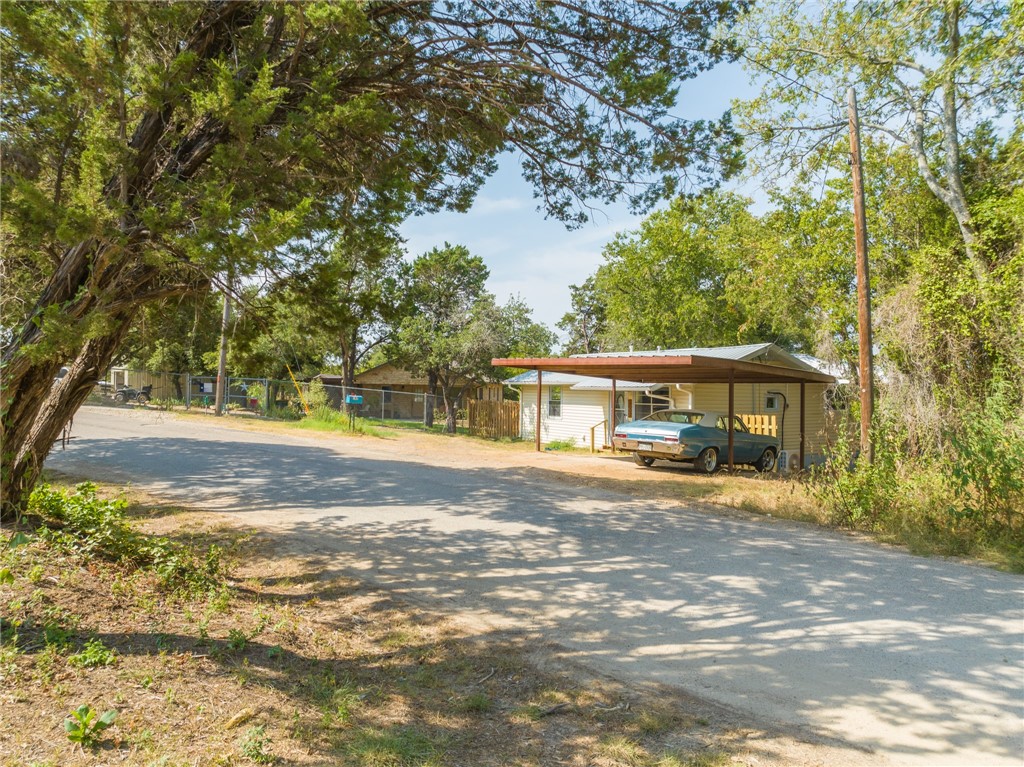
(760,424)
(493,419)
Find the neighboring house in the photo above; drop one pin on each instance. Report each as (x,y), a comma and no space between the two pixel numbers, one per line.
(572,404)
(408,389)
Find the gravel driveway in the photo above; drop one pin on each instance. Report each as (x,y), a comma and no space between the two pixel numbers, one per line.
(913,661)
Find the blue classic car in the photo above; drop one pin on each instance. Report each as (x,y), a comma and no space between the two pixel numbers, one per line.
(693,436)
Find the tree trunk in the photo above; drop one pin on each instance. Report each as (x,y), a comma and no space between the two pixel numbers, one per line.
(29,446)
(348,360)
(101,280)
(450,412)
(431,398)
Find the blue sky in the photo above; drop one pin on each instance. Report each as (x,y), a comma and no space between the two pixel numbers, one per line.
(538,258)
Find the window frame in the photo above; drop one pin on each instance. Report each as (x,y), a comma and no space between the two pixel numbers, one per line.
(555,403)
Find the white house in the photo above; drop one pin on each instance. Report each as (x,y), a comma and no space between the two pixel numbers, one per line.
(575,406)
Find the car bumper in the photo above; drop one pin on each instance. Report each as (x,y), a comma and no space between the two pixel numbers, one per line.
(654,449)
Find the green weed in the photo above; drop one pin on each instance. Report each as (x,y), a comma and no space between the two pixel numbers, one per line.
(85,725)
(85,524)
(93,655)
(255,746)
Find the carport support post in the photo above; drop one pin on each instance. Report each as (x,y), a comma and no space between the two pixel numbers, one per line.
(802,398)
(615,404)
(732,407)
(536,425)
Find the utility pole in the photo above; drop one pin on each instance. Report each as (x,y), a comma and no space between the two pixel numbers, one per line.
(219,402)
(867,386)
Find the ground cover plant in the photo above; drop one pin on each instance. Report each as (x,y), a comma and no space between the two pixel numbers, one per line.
(268,663)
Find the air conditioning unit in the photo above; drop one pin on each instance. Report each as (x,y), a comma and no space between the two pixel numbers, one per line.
(783,461)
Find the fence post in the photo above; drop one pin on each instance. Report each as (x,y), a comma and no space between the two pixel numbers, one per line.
(188,391)
(266,395)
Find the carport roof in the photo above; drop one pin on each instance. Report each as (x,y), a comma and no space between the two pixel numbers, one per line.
(711,365)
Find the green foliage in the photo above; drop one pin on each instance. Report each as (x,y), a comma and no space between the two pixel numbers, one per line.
(317,398)
(86,725)
(393,747)
(83,523)
(93,655)
(255,746)
(586,323)
(457,327)
(152,149)
(237,640)
(561,444)
(667,284)
(964,500)
(988,470)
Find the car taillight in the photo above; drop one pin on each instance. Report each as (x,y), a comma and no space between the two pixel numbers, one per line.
(671,439)
(620,435)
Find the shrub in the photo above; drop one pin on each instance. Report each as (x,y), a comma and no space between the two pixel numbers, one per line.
(963,496)
(93,655)
(989,454)
(83,523)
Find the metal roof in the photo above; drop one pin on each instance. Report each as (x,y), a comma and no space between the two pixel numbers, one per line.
(577,382)
(753,363)
(767,353)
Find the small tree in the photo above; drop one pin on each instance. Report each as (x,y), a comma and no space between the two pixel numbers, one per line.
(458,328)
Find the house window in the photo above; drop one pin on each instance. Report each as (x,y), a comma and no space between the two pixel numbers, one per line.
(555,401)
(648,402)
(772,403)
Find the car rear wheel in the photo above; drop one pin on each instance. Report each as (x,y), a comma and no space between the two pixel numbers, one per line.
(766,462)
(707,461)
(641,460)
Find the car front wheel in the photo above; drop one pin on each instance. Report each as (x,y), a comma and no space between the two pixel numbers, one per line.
(707,461)
(766,462)
(641,460)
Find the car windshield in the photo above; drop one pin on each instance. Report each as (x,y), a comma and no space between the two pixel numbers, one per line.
(675,416)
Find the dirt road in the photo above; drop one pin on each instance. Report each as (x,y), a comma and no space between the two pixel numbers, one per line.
(886,657)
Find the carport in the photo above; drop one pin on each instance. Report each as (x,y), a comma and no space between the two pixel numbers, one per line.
(663,369)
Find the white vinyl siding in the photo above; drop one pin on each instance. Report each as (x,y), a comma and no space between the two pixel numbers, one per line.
(584,409)
(580,411)
(749,399)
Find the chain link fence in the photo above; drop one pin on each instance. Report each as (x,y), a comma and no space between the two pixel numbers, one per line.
(267,396)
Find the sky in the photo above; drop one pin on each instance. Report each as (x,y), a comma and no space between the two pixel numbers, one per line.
(537,258)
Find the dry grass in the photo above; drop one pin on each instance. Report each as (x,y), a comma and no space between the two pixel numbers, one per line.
(277,666)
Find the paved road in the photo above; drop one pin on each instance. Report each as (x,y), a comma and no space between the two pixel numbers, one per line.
(919,661)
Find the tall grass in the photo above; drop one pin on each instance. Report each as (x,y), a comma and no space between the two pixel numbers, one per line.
(963,497)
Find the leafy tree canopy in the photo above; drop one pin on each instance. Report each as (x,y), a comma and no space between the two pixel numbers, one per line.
(151,149)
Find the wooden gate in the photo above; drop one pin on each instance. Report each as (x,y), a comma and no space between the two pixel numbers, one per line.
(493,419)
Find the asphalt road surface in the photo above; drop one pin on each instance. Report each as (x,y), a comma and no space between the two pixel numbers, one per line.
(914,661)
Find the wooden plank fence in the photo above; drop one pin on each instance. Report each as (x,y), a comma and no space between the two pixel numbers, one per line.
(493,419)
(760,424)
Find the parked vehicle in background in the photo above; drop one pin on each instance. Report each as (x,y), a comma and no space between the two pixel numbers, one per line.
(130,394)
(697,437)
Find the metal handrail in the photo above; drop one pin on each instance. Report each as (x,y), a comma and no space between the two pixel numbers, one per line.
(592,429)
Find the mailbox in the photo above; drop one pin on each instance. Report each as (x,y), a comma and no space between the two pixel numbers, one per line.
(354,399)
